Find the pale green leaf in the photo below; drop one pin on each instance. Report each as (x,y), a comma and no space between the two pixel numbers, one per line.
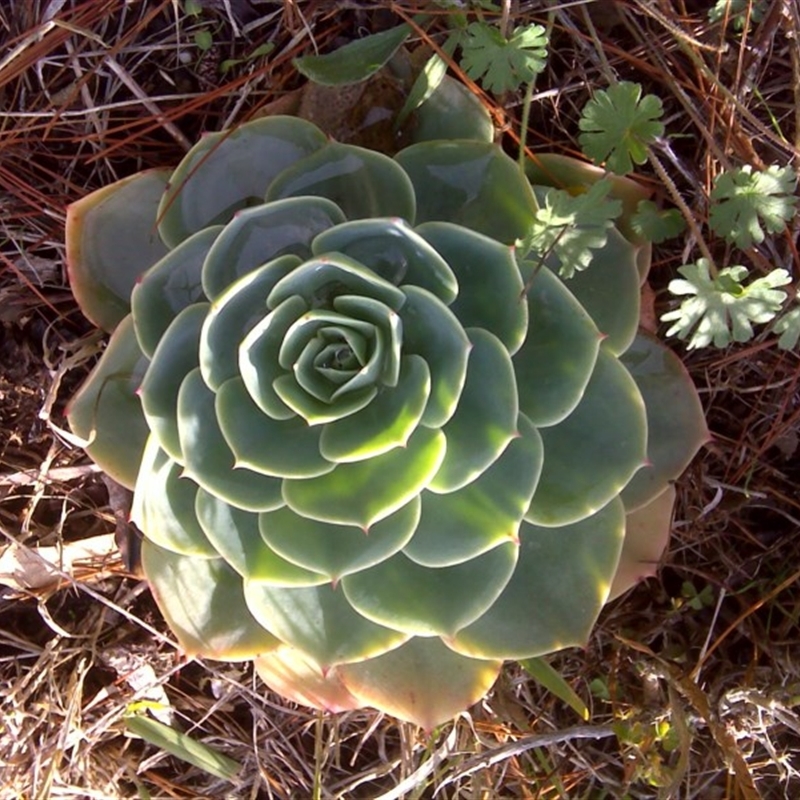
(354,62)
(721,309)
(744,203)
(551,679)
(656,225)
(788,326)
(184,747)
(618,124)
(572,227)
(501,64)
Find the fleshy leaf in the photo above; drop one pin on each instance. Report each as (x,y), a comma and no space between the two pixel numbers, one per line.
(432,331)
(282,448)
(319,621)
(430,601)
(609,291)
(170,286)
(561,582)
(233,315)
(485,420)
(394,251)
(291,674)
(258,357)
(355,61)
(472,184)
(111,240)
(257,235)
(387,422)
(337,550)
(593,453)
(422,682)
(361,182)
(472,520)
(489,282)
(234,533)
(227,171)
(203,602)
(646,537)
(164,506)
(175,356)
(208,459)
(365,492)
(106,412)
(558,356)
(452,112)
(676,425)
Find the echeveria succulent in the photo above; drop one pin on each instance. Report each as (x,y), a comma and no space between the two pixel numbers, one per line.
(369,448)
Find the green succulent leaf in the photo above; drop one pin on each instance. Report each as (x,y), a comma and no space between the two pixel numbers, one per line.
(258,235)
(320,622)
(228,171)
(361,182)
(258,357)
(609,290)
(106,412)
(208,459)
(235,536)
(676,425)
(113,226)
(745,202)
(721,309)
(501,64)
(282,448)
(170,286)
(393,251)
(558,356)
(387,422)
(472,184)
(461,525)
(174,357)
(203,601)
(430,601)
(164,506)
(365,492)
(337,550)
(590,456)
(233,315)
(567,571)
(484,422)
(355,61)
(432,331)
(489,281)
(422,681)
(452,112)
(619,124)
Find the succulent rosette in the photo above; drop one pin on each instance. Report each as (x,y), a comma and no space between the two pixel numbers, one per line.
(369,448)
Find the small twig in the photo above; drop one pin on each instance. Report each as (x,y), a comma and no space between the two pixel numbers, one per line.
(137,90)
